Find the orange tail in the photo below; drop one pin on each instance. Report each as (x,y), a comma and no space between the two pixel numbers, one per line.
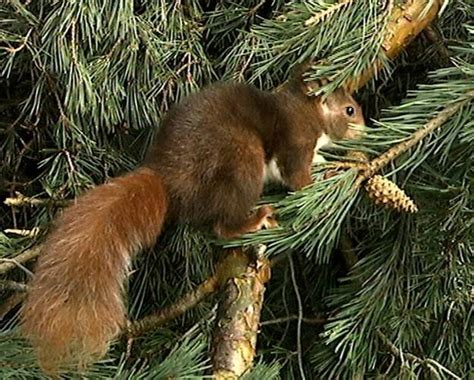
(75,306)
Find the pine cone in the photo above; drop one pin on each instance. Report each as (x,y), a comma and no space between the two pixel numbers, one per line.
(384,191)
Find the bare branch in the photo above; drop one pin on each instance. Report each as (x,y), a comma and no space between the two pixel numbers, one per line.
(23,232)
(22,200)
(7,264)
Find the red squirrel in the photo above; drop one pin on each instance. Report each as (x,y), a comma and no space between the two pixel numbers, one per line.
(207,167)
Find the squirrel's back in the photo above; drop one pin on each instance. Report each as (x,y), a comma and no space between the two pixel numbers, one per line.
(212,143)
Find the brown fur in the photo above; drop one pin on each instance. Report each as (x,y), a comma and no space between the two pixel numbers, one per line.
(74,306)
(206,167)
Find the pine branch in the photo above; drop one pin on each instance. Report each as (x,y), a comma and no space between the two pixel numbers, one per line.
(235,336)
(233,264)
(436,122)
(188,301)
(430,364)
(323,15)
(406,22)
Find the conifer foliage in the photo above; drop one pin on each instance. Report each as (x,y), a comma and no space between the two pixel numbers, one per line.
(358,291)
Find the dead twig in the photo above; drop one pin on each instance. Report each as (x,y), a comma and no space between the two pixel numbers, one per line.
(23,232)
(13,285)
(20,200)
(7,264)
(13,50)
(11,303)
(320,320)
(300,318)
(428,363)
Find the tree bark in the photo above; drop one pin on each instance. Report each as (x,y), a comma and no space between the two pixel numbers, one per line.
(406,22)
(235,335)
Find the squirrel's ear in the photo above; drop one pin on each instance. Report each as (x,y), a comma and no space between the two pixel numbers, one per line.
(297,81)
(343,91)
(300,83)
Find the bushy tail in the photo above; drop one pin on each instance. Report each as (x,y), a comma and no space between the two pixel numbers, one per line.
(74,306)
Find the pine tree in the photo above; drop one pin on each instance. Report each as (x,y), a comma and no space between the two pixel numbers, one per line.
(358,290)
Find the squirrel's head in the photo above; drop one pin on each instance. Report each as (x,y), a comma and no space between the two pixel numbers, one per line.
(340,114)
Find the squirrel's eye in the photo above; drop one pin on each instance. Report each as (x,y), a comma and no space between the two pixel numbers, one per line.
(350,111)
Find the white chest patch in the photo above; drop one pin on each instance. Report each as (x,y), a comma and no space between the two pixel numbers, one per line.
(271,172)
(323,141)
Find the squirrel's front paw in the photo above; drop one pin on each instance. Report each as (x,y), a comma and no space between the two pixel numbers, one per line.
(266,215)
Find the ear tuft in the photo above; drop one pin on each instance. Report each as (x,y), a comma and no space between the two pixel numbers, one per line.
(297,82)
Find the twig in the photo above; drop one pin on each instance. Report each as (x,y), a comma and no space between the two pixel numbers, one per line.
(247,61)
(311,321)
(21,46)
(11,303)
(434,363)
(379,162)
(21,266)
(13,285)
(348,252)
(252,11)
(427,363)
(434,36)
(395,351)
(54,90)
(186,302)
(73,42)
(300,318)
(317,18)
(23,232)
(17,261)
(225,269)
(22,200)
